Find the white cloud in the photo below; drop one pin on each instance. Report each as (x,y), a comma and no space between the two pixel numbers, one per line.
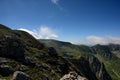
(47,32)
(97,40)
(55,1)
(43,32)
(92,40)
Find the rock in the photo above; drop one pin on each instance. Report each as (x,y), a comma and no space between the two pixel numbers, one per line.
(63,68)
(45,77)
(3,60)
(5,70)
(52,52)
(43,66)
(22,68)
(73,76)
(40,46)
(28,61)
(18,75)
(39,55)
(52,62)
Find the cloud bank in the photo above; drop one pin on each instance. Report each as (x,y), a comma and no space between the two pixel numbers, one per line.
(44,32)
(92,40)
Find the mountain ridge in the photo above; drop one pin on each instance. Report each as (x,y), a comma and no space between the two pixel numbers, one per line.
(108,54)
(32,59)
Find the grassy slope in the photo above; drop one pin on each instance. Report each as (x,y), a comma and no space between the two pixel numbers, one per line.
(67,48)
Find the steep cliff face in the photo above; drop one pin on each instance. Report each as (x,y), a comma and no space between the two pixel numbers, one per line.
(21,52)
(92,68)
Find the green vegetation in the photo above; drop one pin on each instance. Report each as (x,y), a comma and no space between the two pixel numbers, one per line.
(51,59)
(103,52)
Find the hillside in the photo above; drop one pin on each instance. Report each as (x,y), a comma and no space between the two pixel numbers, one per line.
(22,57)
(107,54)
(19,51)
(66,49)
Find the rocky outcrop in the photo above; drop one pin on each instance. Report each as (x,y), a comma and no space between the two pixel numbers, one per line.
(11,47)
(73,76)
(18,75)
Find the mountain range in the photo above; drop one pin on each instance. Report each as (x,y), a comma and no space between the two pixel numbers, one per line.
(22,57)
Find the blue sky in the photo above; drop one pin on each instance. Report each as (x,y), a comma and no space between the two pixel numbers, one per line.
(78,21)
